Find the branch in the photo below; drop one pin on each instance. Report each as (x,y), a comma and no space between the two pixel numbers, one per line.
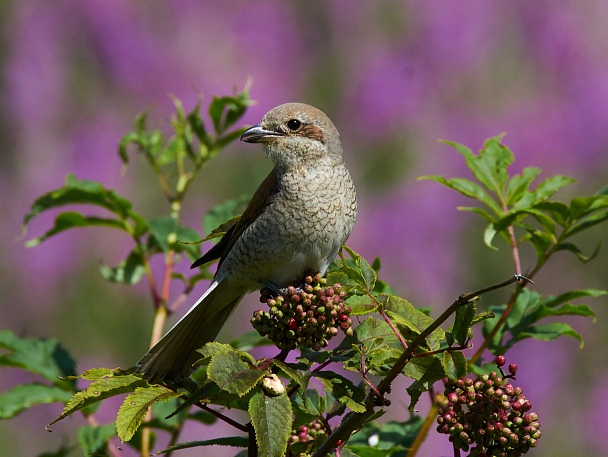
(356,420)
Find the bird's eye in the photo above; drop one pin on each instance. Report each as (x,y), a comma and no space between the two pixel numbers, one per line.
(294,124)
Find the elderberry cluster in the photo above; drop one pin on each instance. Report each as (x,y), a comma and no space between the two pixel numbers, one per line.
(490,414)
(305,433)
(307,316)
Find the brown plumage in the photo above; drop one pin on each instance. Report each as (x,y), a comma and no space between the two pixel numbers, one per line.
(294,225)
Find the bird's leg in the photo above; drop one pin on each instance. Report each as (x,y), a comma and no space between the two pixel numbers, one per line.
(276,290)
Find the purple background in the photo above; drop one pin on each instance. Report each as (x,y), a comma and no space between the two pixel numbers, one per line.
(394,77)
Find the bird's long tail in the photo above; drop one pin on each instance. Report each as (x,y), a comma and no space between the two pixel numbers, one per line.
(172,357)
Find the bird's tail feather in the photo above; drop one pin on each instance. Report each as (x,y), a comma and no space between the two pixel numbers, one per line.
(172,357)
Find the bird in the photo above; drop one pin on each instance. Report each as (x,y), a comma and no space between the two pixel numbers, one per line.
(294,225)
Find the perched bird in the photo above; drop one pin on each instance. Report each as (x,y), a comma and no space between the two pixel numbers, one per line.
(294,225)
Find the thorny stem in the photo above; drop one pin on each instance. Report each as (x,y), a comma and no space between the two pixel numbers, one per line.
(356,420)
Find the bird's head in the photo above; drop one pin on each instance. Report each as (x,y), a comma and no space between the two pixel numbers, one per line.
(296,134)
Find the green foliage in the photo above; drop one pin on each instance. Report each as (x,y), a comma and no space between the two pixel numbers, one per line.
(393,336)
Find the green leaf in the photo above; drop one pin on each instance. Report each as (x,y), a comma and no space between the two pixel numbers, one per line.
(94,374)
(490,166)
(371,329)
(235,441)
(454,364)
(361,305)
(46,357)
(299,373)
(462,322)
(225,111)
(343,390)
(249,340)
(549,332)
(552,302)
(544,190)
(391,437)
(128,272)
(24,396)
(559,211)
(587,223)
(424,369)
(68,220)
(488,236)
(163,229)
(231,373)
(271,418)
(136,406)
(584,206)
(100,390)
(519,184)
(94,439)
(405,315)
(219,214)
(468,189)
(368,274)
(80,192)
(577,251)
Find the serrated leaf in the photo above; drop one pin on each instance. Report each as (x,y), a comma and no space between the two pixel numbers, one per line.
(483,316)
(462,322)
(72,219)
(424,369)
(271,418)
(128,272)
(468,189)
(454,364)
(94,439)
(80,192)
(544,190)
(136,406)
(404,314)
(94,374)
(299,373)
(24,396)
(368,274)
(519,184)
(234,441)
(46,357)
(231,373)
(311,402)
(343,390)
(100,390)
(361,305)
(371,329)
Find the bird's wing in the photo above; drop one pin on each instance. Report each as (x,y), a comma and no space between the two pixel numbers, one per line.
(260,200)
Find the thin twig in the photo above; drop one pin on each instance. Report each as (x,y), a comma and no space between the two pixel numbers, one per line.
(392,326)
(356,420)
(220,416)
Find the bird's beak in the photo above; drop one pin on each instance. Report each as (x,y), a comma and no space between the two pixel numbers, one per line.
(258,134)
